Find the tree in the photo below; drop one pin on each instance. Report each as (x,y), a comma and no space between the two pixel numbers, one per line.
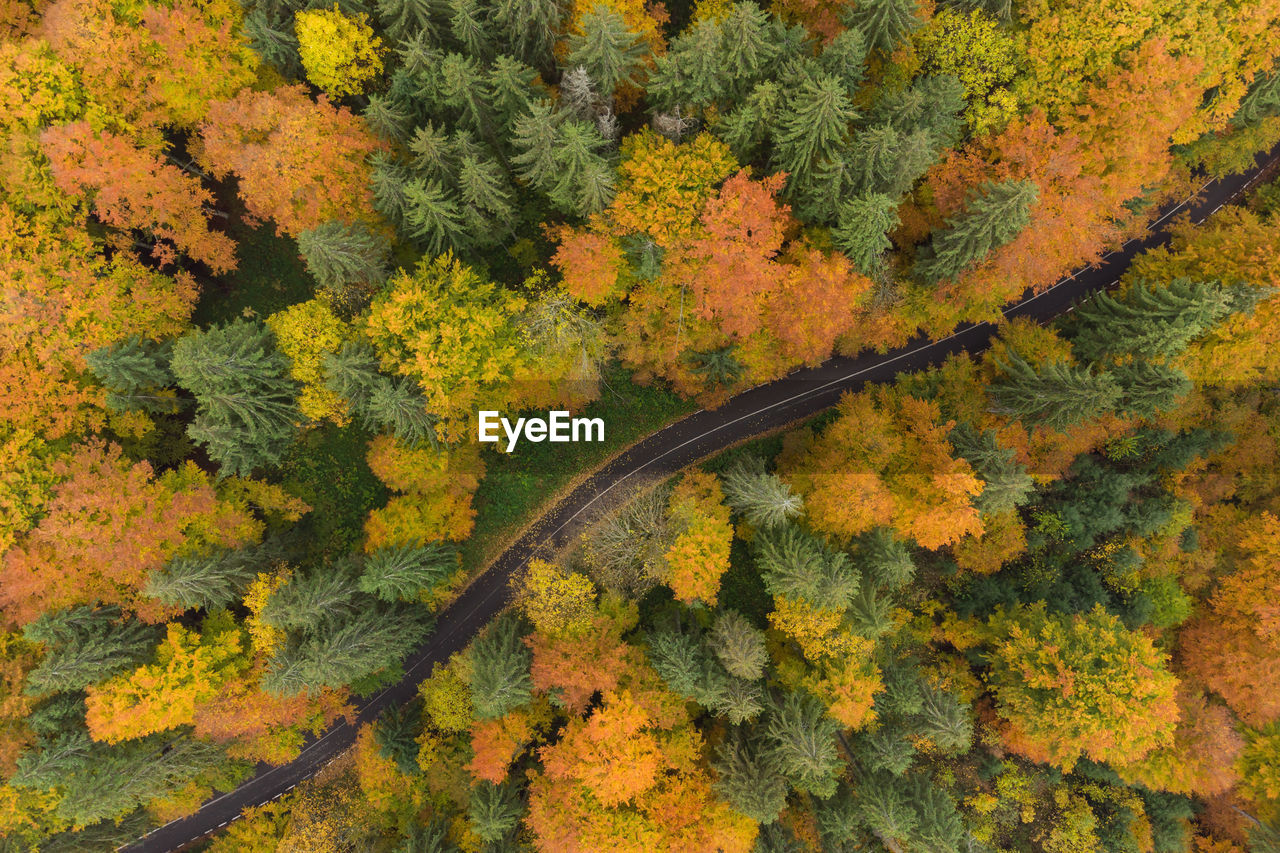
(403,574)
(449,329)
(814,130)
(1148,321)
(340,256)
(555,601)
(246,416)
(801,742)
(699,553)
(1147,388)
(299,162)
(346,650)
(500,669)
(993,219)
(308,334)
(85,645)
(1072,686)
(739,645)
(136,374)
(189,668)
(340,54)
(884,559)
(609,52)
(1057,394)
(861,230)
(108,525)
(309,600)
(494,810)
(884,23)
(762,498)
(797,566)
(134,189)
(747,780)
(211,581)
(1006,484)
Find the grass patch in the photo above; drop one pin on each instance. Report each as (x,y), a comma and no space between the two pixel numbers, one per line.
(326,468)
(518,484)
(269,278)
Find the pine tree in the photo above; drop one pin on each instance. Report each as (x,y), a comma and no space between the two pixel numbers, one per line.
(762,498)
(751,46)
(1058,395)
(576,156)
(396,731)
(887,749)
(739,645)
(511,83)
(814,129)
(433,838)
(529,27)
(718,367)
(747,780)
(500,662)
(339,255)
(939,826)
(466,24)
(689,669)
(944,720)
(1147,388)
(483,185)
(595,187)
(352,374)
(884,23)
(1261,101)
(862,230)
(740,701)
(389,180)
(883,807)
(433,154)
(746,128)
(838,824)
(326,592)
(610,53)
(85,646)
(1006,483)
(403,19)
(388,117)
(397,405)
(246,414)
(345,650)
(999,9)
(991,220)
(801,741)
(400,574)
(272,39)
(494,810)
(535,140)
(432,216)
(1149,321)
(844,58)
(134,372)
(212,581)
(693,72)
(796,565)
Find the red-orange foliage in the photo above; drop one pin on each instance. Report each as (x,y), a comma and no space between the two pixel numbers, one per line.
(577,667)
(260,726)
(109,525)
(817,303)
(496,743)
(136,189)
(62,300)
(300,162)
(590,264)
(1201,761)
(886,461)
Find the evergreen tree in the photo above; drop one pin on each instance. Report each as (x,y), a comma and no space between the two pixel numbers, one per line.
(397,405)
(870,612)
(796,565)
(494,810)
(1147,388)
(886,749)
(944,720)
(1261,101)
(528,28)
(595,187)
(689,669)
(883,23)
(991,220)
(999,9)
(740,700)
(500,662)
(84,646)
(272,39)
(762,498)
(884,559)
(433,154)
(801,741)
(814,129)
(432,838)
(1006,483)
(246,414)
(388,117)
(883,807)
(751,46)
(212,580)
(1148,321)
(134,372)
(844,58)
(576,158)
(467,26)
(511,84)
(838,824)
(396,731)
(862,230)
(432,217)
(694,72)
(483,186)
(739,645)
(747,780)
(401,574)
(1057,395)
(578,96)
(352,374)
(389,180)
(718,367)
(535,140)
(339,255)
(326,592)
(403,19)
(345,650)
(610,53)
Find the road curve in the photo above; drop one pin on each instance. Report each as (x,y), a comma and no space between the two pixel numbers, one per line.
(754,412)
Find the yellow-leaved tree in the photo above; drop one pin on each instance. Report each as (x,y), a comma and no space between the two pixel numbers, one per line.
(340,53)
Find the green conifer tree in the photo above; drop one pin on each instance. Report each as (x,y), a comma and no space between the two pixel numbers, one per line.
(85,645)
(801,740)
(762,498)
(995,217)
(747,779)
(500,662)
(611,54)
(1057,395)
(883,23)
(494,810)
(213,580)
(400,574)
(339,255)
(862,230)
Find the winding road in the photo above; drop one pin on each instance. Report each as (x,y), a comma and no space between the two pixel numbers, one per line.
(749,414)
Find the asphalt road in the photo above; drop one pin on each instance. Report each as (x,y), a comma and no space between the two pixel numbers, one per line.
(749,414)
